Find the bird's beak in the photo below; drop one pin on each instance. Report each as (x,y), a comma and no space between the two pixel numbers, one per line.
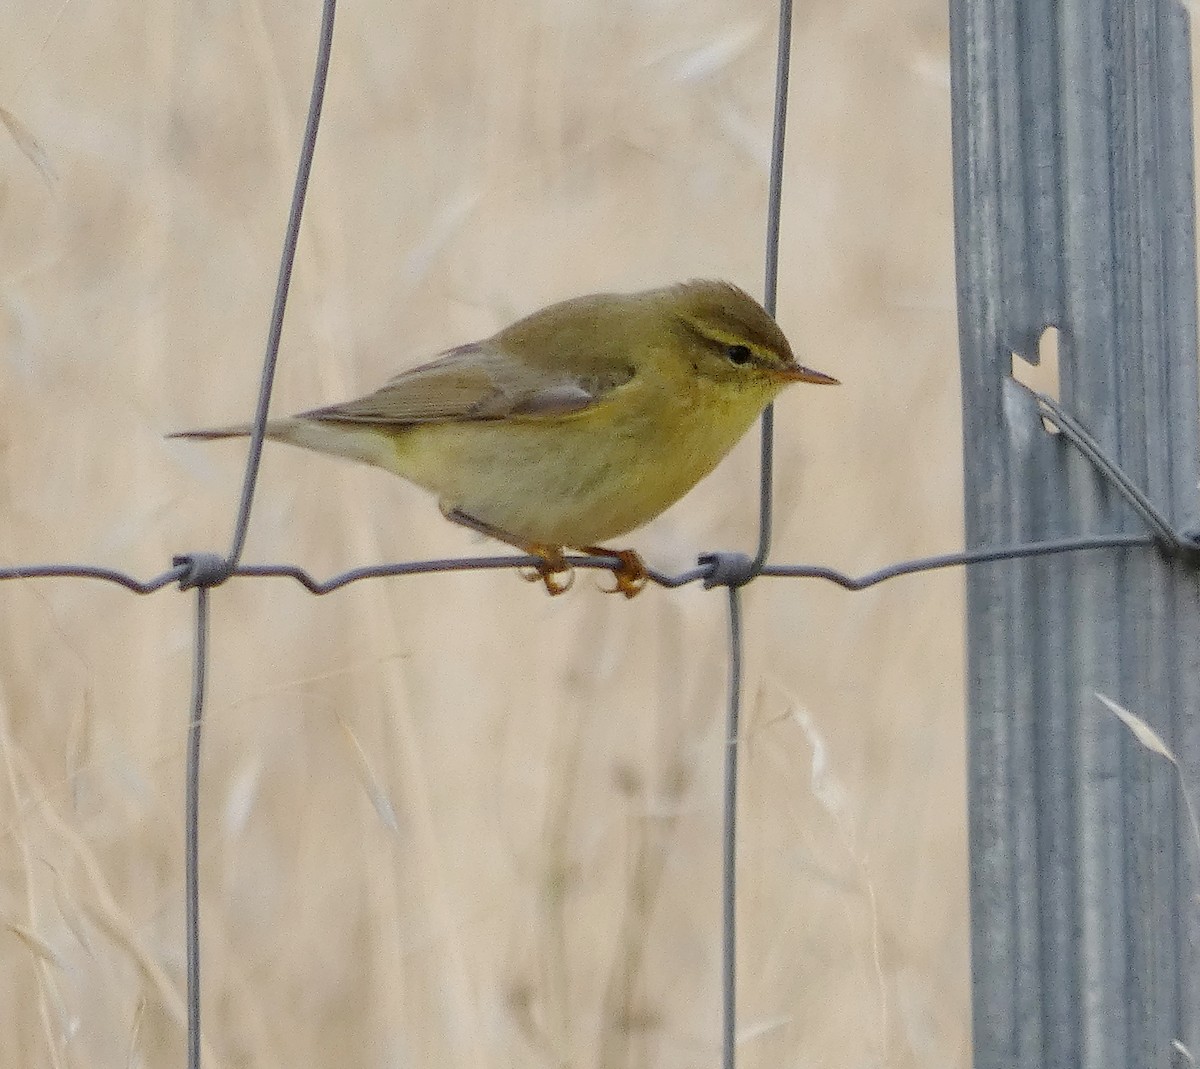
(797,373)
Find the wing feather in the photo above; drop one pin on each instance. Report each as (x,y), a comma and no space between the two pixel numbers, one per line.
(469,383)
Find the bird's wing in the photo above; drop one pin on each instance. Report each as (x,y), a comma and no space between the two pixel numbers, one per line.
(473,382)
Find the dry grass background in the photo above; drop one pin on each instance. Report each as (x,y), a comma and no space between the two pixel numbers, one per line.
(545,891)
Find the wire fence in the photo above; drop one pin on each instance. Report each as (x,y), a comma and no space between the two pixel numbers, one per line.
(204,571)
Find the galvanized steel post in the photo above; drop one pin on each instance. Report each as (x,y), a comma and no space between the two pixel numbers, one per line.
(1074,209)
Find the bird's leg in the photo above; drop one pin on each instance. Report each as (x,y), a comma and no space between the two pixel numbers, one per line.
(631,575)
(552,562)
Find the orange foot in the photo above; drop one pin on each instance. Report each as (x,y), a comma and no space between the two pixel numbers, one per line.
(631,575)
(551,564)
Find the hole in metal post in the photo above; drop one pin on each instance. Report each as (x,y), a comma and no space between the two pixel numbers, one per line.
(1041,377)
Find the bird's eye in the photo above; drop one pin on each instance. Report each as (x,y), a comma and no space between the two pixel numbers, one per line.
(739,354)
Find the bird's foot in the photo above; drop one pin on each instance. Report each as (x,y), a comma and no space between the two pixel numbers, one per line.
(551,564)
(630,575)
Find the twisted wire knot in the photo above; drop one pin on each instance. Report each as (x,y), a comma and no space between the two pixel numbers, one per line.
(202,569)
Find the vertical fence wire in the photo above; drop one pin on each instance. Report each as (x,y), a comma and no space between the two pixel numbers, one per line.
(783,60)
(191,839)
(283,283)
(729,837)
(766,496)
(216,573)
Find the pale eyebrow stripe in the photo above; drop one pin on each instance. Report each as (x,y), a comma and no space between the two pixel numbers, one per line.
(721,344)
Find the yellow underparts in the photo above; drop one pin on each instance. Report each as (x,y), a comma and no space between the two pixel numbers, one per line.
(579,479)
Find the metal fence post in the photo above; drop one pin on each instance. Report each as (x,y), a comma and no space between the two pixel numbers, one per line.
(1072,137)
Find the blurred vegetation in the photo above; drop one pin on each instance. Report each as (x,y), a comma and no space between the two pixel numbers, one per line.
(449,821)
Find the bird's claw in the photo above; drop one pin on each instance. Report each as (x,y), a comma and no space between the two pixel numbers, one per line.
(549,576)
(630,576)
(628,584)
(551,565)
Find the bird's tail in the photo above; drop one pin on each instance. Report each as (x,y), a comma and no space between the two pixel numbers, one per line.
(343,440)
(239,430)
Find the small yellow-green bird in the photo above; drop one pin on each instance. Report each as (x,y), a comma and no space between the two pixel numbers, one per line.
(573,425)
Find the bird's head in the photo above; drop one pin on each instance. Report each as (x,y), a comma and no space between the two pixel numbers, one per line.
(728,338)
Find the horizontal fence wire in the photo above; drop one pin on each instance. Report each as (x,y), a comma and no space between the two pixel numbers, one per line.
(711,574)
(730,571)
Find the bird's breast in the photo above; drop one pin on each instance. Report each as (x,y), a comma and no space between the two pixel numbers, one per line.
(582,478)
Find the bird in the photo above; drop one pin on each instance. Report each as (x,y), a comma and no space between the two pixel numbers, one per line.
(572,426)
